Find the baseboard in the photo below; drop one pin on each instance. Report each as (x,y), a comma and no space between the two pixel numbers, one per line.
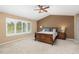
(11,41)
(69,39)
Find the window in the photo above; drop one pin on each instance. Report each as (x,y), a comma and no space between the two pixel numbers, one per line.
(28,25)
(24,27)
(19,27)
(10,27)
(16,27)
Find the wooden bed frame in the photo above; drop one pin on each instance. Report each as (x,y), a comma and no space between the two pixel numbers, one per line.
(46,38)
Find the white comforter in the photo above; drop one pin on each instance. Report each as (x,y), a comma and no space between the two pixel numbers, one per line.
(53,33)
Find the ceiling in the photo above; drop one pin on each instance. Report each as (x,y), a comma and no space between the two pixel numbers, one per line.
(28,10)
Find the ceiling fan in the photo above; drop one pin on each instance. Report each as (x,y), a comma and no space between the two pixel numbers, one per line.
(42,8)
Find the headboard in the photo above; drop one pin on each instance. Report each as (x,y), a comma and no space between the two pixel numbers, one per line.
(50,29)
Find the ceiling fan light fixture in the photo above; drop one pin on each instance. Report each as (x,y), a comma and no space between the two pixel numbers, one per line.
(42,8)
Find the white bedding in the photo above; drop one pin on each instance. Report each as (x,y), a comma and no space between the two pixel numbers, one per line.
(53,33)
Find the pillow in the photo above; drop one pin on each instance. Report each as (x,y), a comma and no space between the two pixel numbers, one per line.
(43,30)
(46,29)
(54,30)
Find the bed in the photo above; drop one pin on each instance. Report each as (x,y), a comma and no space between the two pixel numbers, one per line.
(47,35)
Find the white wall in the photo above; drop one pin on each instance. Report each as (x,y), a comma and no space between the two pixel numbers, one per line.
(76,27)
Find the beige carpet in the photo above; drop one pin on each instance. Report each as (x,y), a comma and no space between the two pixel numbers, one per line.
(30,46)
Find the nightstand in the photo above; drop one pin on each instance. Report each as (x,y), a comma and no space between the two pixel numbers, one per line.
(61,35)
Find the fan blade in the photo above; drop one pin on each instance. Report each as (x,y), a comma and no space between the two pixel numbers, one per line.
(46,7)
(40,6)
(44,10)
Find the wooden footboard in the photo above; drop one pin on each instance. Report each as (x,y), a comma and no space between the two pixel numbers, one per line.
(47,38)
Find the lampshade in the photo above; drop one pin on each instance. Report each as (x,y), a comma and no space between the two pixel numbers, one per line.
(63,28)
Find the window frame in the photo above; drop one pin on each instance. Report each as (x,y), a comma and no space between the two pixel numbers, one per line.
(15,21)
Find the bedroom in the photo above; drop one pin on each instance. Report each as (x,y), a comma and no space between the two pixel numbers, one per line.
(20,23)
